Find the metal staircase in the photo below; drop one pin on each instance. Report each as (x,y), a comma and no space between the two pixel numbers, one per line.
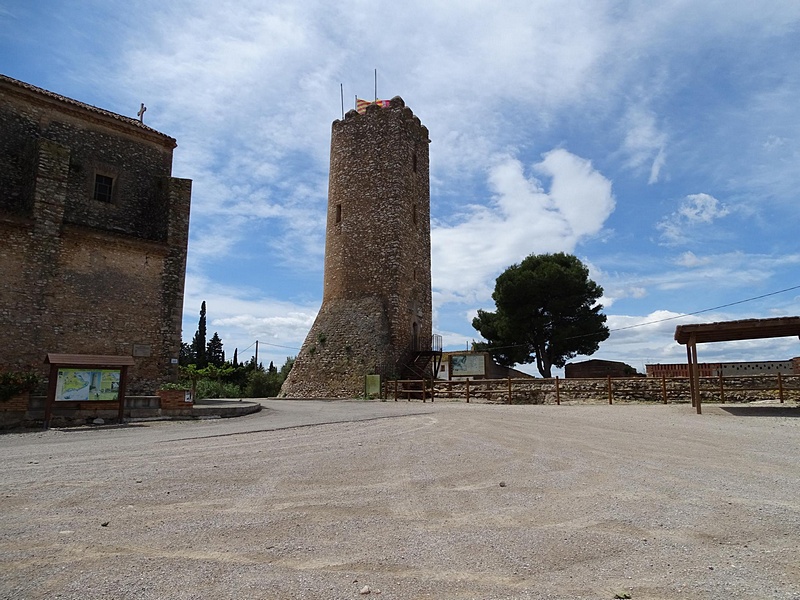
(426,360)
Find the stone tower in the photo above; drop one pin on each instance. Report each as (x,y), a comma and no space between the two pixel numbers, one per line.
(376,306)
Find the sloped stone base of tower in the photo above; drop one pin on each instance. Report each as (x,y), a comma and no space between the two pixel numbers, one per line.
(349,339)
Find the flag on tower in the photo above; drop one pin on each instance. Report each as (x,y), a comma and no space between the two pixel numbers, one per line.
(361,105)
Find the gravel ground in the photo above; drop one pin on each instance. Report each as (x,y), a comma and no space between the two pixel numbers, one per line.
(408,500)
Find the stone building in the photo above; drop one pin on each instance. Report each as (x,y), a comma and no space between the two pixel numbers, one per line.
(376,308)
(594,368)
(727,369)
(93,236)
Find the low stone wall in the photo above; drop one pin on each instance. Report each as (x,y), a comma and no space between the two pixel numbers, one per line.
(629,389)
(28,411)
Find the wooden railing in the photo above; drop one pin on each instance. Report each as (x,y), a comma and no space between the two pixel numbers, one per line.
(720,389)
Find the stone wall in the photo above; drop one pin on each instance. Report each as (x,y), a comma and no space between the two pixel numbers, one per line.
(79,275)
(634,389)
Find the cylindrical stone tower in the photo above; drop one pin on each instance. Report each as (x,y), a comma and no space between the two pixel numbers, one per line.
(376,305)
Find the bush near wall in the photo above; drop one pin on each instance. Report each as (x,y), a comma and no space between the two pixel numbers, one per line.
(15,383)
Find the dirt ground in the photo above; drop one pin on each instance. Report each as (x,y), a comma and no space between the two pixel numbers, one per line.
(409,500)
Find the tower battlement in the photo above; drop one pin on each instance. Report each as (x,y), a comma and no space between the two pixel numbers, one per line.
(395,104)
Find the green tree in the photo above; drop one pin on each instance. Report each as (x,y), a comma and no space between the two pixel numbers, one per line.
(262,384)
(199,342)
(287,366)
(547,312)
(215,355)
(187,355)
(192,375)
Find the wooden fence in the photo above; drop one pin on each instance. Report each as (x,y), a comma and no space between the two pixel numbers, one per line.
(720,389)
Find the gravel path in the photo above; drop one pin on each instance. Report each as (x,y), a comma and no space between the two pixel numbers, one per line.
(404,500)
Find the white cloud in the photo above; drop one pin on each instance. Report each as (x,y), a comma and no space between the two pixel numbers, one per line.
(690,259)
(243,315)
(695,210)
(644,142)
(701,208)
(522,218)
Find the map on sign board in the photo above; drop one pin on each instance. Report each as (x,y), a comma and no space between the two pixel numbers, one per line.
(466,365)
(87,385)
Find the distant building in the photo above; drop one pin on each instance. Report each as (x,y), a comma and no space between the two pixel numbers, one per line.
(93,236)
(595,368)
(457,366)
(727,369)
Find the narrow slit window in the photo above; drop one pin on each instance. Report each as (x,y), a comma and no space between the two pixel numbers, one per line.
(414,161)
(338,213)
(103,186)
(414,214)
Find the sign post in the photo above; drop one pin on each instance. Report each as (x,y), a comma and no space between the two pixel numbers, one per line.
(82,378)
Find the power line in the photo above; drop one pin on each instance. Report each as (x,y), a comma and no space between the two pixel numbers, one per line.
(697,312)
(683,316)
(278,346)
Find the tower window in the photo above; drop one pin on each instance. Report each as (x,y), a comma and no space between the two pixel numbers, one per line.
(338,213)
(103,186)
(414,161)
(414,214)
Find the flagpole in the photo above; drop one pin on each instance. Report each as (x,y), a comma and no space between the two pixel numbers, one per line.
(376,85)
(341,92)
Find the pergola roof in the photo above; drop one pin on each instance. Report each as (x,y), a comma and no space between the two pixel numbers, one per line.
(746,329)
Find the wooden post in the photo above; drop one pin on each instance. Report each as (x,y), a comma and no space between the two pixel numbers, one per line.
(689,370)
(52,383)
(558,393)
(509,389)
(664,388)
(424,385)
(395,390)
(433,389)
(780,387)
(467,391)
(123,381)
(721,387)
(610,391)
(696,374)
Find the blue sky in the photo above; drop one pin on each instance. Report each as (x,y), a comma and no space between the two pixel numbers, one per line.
(659,142)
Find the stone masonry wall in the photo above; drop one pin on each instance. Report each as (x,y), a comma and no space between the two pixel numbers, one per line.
(78,275)
(633,389)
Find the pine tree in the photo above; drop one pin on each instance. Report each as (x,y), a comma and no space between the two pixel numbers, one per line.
(199,341)
(215,355)
(547,312)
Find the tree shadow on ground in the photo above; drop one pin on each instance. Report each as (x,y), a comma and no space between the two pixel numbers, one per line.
(763,411)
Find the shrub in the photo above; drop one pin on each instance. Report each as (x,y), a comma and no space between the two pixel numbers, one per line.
(262,385)
(209,388)
(13,383)
(175,386)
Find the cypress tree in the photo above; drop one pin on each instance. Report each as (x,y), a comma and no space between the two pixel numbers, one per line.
(199,343)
